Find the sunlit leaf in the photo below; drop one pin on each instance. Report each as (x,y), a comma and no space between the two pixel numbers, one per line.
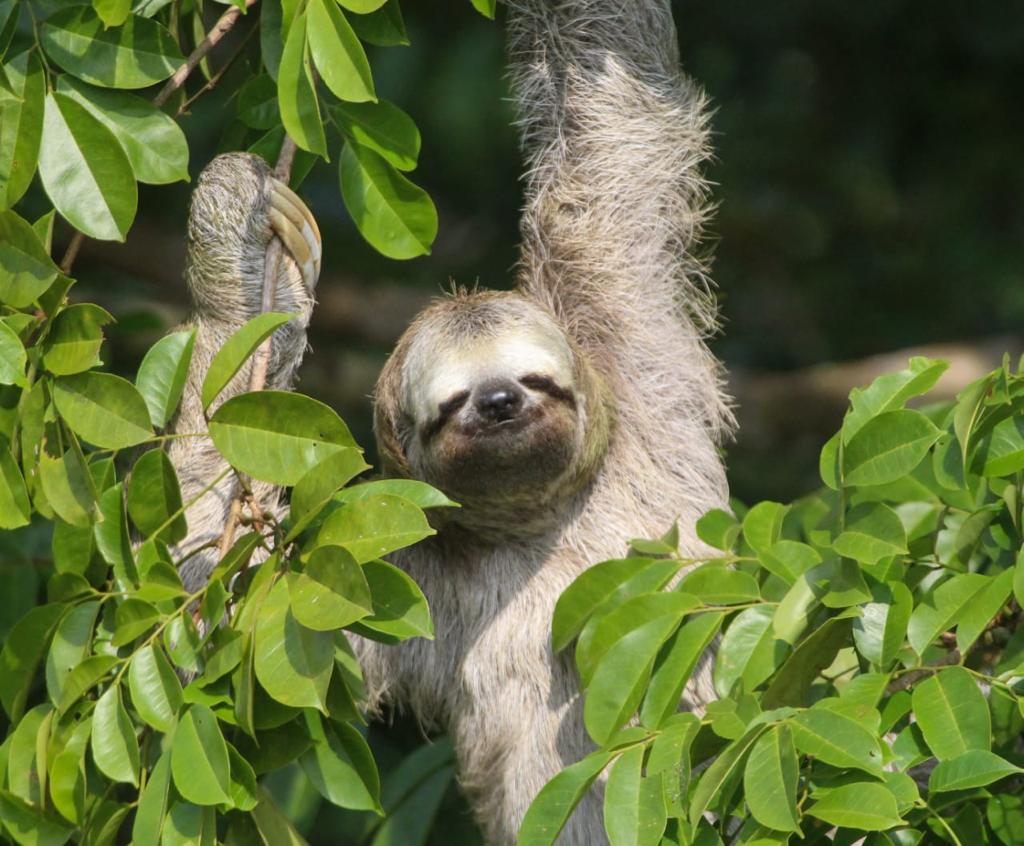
(337,52)
(233,354)
(162,374)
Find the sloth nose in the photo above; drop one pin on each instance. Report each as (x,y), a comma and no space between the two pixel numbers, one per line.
(499,401)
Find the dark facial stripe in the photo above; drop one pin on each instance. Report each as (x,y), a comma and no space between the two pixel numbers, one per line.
(536,382)
(445,412)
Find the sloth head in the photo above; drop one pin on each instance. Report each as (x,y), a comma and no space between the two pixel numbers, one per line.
(486,398)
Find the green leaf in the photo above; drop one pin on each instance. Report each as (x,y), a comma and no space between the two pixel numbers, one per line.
(115,748)
(718,585)
(257,103)
(65,483)
(974,768)
(23,649)
(952,713)
(136,55)
(277,436)
(162,374)
(236,351)
(729,761)
(865,806)
(982,608)
(314,490)
(83,678)
(890,391)
(943,607)
(872,531)
(399,608)
(187,824)
(674,666)
(68,774)
(70,646)
(395,216)
(770,780)
(74,340)
(340,765)
(331,593)
(149,816)
(719,529)
(836,739)
(103,409)
(1018,579)
(880,630)
(15,510)
(969,406)
(383,128)
(85,172)
(21,125)
(244,789)
(621,675)
(789,559)
(550,809)
(274,827)
(28,825)
(337,52)
(154,498)
(1001,453)
(374,526)
(152,140)
(26,269)
(762,525)
(383,28)
(607,629)
(199,758)
(486,8)
(112,12)
(156,691)
(748,651)
(634,806)
(26,765)
(362,7)
(293,663)
(12,357)
(591,588)
(792,683)
(111,535)
(888,447)
(296,92)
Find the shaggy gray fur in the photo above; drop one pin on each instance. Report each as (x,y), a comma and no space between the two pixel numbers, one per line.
(615,139)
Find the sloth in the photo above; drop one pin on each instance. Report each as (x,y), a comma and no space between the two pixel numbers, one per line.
(568,415)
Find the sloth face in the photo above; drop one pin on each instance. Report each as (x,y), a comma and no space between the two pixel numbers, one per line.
(492,401)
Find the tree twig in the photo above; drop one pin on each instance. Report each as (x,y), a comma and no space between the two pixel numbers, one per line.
(220,29)
(214,80)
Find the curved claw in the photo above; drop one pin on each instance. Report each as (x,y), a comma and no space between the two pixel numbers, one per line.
(295,225)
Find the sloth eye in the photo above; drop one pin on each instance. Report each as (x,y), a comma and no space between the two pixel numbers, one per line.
(547,385)
(444,413)
(537,382)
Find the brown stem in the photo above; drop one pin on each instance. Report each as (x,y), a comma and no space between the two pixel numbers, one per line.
(214,80)
(220,29)
(261,358)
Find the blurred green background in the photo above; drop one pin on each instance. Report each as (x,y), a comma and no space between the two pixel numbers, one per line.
(870,176)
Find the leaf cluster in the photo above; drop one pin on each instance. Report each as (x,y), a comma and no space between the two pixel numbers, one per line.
(869,665)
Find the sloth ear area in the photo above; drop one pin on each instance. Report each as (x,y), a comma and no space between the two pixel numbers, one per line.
(390,424)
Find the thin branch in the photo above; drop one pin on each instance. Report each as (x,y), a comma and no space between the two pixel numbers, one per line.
(220,29)
(214,80)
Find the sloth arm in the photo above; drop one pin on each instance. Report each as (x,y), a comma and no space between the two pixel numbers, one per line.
(614,136)
(237,207)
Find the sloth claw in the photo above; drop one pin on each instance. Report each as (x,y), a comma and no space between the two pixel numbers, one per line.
(294,224)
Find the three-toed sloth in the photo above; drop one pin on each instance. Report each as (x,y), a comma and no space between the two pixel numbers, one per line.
(568,415)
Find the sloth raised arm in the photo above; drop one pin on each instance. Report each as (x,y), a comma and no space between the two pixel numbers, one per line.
(615,138)
(237,207)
